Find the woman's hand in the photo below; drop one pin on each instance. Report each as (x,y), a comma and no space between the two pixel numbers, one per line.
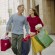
(32,34)
(39,29)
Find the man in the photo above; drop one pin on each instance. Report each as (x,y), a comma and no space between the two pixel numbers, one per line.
(17,21)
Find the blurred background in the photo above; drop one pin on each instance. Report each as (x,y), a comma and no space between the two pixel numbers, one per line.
(45,9)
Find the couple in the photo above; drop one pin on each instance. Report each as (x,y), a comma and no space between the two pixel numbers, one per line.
(18,21)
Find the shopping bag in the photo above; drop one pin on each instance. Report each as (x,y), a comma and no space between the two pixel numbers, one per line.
(5,44)
(26,42)
(43,38)
(36,46)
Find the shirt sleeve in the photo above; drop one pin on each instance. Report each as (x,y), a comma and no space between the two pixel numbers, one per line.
(8,27)
(40,22)
(26,26)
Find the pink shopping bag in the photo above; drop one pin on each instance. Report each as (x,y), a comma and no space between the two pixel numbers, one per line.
(5,44)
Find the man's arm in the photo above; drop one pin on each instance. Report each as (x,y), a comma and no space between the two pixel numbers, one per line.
(8,27)
(26,26)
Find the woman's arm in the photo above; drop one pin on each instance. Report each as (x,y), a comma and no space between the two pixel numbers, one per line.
(40,21)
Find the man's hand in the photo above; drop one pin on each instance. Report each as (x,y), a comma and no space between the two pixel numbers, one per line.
(6,33)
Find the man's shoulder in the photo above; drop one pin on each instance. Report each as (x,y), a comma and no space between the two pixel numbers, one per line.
(24,16)
(14,14)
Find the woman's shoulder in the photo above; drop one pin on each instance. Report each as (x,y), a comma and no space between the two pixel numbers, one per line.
(28,17)
(37,16)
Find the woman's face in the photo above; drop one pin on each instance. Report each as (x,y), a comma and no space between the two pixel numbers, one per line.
(31,11)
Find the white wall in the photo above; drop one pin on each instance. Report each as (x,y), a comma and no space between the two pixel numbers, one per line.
(36,2)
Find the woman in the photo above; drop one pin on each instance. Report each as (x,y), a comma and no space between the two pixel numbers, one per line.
(33,20)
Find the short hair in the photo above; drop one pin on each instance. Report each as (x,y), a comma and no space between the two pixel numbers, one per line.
(20,6)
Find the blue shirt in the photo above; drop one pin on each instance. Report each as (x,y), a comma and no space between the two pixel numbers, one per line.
(16,23)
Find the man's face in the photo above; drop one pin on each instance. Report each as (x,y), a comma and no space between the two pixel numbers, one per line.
(21,9)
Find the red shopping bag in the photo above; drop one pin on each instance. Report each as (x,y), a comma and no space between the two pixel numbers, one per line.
(5,44)
(26,38)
